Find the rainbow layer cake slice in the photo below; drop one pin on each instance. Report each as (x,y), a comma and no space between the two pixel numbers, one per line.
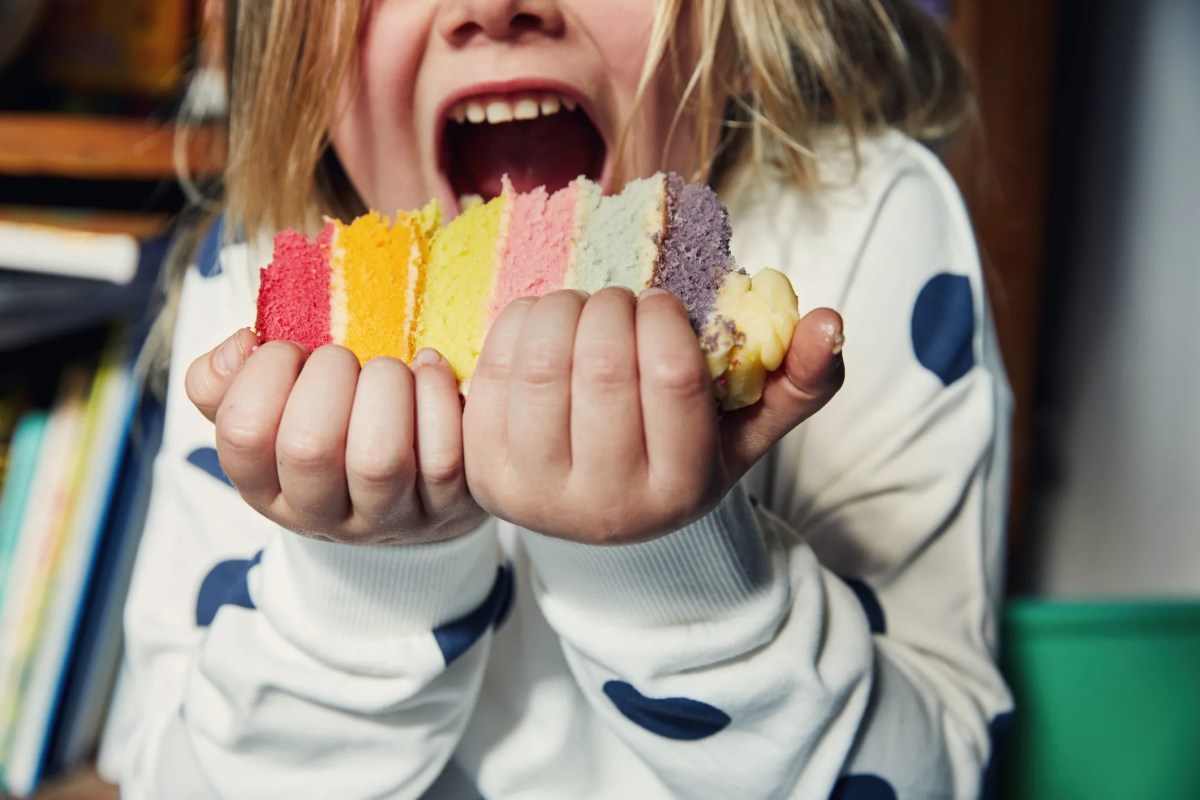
(380,287)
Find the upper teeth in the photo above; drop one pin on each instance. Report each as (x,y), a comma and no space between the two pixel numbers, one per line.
(495,110)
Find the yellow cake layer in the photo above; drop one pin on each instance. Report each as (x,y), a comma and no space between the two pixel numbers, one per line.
(461,275)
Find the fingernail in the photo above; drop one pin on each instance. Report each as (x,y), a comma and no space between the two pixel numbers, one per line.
(838,341)
(231,356)
(428,358)
(835,335)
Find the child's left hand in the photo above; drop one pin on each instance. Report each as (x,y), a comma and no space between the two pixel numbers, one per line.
(593,419)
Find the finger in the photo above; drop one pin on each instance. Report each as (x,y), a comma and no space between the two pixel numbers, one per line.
(812,373)
(485,416)
(311,445)
(677,403)
(606,413)
(539,401)
(381,462)
(210,376)
(248,420)
(441,481)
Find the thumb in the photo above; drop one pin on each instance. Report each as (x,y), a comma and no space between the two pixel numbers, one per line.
(210,376)
(812,373)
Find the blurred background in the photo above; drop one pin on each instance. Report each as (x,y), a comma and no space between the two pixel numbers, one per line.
(1083,182)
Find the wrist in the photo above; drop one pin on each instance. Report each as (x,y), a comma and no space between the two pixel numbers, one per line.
(709,570)
(355,603)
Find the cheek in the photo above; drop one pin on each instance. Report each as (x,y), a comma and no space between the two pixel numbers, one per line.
(621,30)
(372,128)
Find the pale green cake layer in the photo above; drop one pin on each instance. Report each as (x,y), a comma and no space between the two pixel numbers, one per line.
(619,243)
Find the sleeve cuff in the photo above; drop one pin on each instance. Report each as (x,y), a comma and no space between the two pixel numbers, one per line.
(336,598)
(709,570)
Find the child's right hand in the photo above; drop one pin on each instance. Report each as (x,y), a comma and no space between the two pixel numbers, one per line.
(315,443)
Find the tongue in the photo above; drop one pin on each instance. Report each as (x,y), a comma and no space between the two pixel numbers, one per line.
(548,151)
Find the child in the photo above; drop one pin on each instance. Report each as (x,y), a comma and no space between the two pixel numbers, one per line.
(692,607)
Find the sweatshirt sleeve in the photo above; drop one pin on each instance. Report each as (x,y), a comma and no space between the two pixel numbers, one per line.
(842,643)
(259,663)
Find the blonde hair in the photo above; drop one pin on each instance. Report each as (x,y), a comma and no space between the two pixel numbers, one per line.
(771,76)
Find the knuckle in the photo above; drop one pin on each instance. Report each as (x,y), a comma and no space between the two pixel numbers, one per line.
(543,364)
(305,448)
(241,431)
(378,465)
(678,377)
(442,468)
(494,367)
(605,367)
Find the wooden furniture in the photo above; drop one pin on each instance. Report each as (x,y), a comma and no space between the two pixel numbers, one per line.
(59,145)
(1002,171)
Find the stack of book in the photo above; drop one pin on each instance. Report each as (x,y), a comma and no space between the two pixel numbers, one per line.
(72,499)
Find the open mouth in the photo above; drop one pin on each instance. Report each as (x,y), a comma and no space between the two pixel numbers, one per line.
(536,138)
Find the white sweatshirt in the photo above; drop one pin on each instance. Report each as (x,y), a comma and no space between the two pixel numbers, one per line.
(828,631)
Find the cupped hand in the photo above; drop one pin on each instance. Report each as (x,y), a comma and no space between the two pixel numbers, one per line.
(315,443)
(593,419)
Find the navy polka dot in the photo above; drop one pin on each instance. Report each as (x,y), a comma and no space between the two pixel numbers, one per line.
(998,730)
(943,327)
(672,717)
(862,787)
(206,459)
(456,637)
(870,604)
(225,585)
(209,261)
(507,591)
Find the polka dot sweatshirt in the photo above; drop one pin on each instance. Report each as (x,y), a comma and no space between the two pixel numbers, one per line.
(829,630)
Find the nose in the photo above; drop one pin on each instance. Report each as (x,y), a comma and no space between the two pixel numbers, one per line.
(498,20)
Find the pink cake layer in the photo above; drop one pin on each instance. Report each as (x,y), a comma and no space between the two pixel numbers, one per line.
(537,251)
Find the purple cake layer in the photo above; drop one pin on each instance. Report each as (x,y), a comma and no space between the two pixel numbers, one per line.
(694,256)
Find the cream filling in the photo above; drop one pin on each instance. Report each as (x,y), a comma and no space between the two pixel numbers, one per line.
(410,294)
(748,333)
(339,300)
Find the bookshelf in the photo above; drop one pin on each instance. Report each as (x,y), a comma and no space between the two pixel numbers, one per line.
(88,154)
(52,168)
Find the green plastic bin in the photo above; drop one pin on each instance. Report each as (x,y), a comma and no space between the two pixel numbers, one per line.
(1108,700)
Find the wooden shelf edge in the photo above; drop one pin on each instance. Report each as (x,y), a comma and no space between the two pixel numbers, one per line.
(138,224)
(102,148)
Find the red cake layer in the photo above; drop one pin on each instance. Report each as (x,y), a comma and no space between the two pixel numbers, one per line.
(293,300)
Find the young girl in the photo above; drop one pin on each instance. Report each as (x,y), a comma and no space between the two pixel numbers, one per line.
(582,583)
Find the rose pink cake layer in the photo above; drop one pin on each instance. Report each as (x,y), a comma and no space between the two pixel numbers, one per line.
(293,300)
(542,234)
